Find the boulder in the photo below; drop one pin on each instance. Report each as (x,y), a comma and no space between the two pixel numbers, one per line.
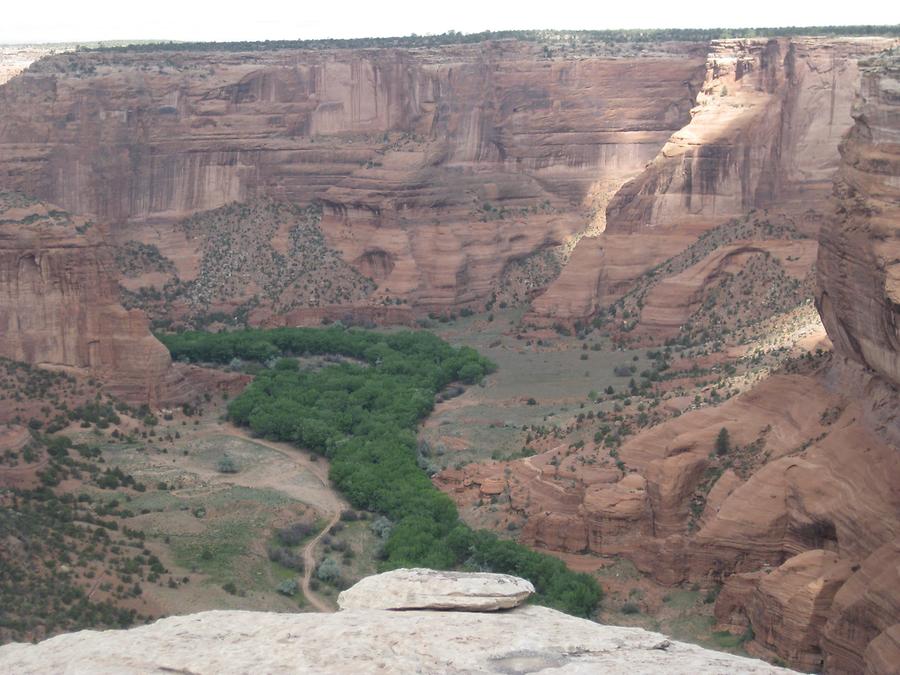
(524,640)
(427,589)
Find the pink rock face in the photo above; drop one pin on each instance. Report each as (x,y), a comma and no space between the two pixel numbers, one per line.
(859,257)
(789,604)
(438,168)
(59,306)
(764,134)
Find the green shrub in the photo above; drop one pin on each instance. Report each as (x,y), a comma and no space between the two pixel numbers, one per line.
(365,419)
(226,465)
(723,442)
(328,570)
(288,587)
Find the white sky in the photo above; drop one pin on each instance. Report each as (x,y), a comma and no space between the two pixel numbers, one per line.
(89,20)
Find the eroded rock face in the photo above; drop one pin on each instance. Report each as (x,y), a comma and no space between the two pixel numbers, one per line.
(764,134)
(59,304)
(523,640)
(438,168)
(788,605)
(805,537)
(427,589)
(861,633)
(768,121)
(859,257)
(783,530)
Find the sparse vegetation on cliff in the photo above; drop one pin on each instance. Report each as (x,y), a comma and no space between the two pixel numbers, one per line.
(749,285)
(259,253)
(66,563)
(135,258)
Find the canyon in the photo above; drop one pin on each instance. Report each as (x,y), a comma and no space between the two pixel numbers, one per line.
(801,525)
(438,170)
(706,200)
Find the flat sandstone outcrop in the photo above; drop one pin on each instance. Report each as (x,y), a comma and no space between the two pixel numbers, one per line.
(427,589)
(522,640)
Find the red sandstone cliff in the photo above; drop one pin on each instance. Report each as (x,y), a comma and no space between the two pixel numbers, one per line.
(859,256)
(764,134)
(438,168)
(59,303)
(803,527)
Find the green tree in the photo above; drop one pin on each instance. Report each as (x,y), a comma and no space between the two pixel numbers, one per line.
(723,442)
(363,415)
(227,465)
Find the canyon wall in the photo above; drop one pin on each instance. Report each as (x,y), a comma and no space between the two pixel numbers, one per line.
(859,299)
(800,524)
(59,304)
(437,168)
(444,173)
(859,256)
(763,135)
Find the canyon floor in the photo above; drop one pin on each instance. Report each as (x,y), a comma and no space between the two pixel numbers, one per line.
(209,500)
(215,526)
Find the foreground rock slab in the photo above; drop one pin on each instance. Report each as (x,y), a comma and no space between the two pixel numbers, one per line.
(427,589)
(524,640)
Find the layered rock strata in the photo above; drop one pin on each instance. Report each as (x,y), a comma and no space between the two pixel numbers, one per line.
(764,134)
(438,168)
(802,528)
(59,304)
(859,257)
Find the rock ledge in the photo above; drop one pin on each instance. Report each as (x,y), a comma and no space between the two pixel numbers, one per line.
(523,640)
(428,589)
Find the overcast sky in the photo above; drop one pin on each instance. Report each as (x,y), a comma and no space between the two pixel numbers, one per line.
(89,20)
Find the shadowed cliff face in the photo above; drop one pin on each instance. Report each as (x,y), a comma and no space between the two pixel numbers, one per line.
(858,298)
(764,134)
(859,257)
(437,168)
(59,304)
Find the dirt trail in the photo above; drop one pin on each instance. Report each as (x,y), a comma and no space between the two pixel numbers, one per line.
(329,502)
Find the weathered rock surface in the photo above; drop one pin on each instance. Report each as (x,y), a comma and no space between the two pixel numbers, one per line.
(765,131)
(805,536)
(812,487)
(859,258)
(764,134)
(59,304)
(438,168)
(428,589)
(522,640)
(577,507)
(862,629)
(788,606)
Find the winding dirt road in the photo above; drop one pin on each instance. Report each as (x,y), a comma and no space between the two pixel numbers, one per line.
(327,502)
